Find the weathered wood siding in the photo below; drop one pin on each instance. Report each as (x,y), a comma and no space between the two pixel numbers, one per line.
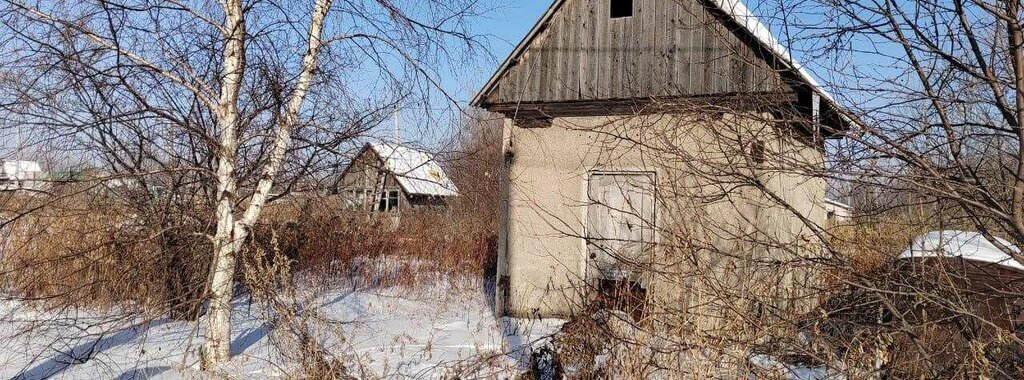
(367,174)
(667,48)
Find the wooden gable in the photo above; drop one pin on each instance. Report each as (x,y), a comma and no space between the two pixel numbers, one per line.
(667,48)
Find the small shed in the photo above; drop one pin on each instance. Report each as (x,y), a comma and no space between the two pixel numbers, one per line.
(386,177)
(966,245)
(22,175)
(947,296)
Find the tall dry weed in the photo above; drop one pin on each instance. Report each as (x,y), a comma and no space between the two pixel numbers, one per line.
(381,249)
(93,251)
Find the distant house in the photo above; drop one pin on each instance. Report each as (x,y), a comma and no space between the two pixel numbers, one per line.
(386,177)
(23,175)
(964,245)
(837,212)
(152,188)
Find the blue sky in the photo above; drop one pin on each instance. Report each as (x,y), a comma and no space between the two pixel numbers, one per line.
(501,29)
(507,25)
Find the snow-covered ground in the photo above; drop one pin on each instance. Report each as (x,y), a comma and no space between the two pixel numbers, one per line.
(429,332)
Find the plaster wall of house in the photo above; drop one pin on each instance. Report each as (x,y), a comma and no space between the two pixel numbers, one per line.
(701,166)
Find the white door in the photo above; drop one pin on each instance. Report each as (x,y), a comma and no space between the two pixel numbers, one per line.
(620,224)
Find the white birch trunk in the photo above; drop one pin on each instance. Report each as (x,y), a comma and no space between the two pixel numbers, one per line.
(232,233)
(288,122)
(216,347)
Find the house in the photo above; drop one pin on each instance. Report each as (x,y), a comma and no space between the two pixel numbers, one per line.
(23,175)
(837,212)
(608,104)
(137,187)
(385,177)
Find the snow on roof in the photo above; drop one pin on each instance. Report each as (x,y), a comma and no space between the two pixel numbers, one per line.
(739,13)
(837,203)
(416,171)
(735,9)
(962,244)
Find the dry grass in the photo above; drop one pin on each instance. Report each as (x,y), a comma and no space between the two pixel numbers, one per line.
(85,251)
(865,247)
(326,244)
(90,251)
(382,249)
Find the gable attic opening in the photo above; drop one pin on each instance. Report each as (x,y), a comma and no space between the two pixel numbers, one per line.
(621,8)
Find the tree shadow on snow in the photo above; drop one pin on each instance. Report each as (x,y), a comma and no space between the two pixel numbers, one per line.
(143,373)
(82,353)
(244,342)
(519,345)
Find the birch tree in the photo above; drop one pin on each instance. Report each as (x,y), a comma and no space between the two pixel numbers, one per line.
(220,92)
(231,233)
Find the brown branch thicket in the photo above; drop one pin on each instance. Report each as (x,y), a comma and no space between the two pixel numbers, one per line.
(414,248)
(90,251)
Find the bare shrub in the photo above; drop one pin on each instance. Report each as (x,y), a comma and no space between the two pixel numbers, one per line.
(315,242)
(867,246)
(297,329)
(935,318)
